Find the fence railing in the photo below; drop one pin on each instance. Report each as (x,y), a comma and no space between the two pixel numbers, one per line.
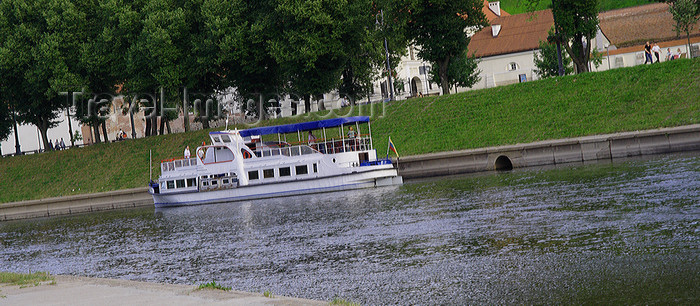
(171,165)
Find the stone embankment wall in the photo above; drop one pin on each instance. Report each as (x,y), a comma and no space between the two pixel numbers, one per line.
(83,203)
(582,149)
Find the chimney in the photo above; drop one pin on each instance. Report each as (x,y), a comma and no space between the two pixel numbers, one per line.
(495,7)
(495,29)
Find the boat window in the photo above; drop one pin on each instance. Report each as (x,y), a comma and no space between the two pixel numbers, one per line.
(315,168)
(286,171)
(216,139)
(253,175)
(224,181)
(205,183)
(307,150)
(214,182)
(171,184)
(303,169)
(180,183)
(268,173)
(225,138)
(191,182)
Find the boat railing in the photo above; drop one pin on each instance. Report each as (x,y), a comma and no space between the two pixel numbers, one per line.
(172,164)
(286,151)
(326,146)
(334,145)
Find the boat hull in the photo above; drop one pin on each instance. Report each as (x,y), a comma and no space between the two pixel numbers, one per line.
(355,180)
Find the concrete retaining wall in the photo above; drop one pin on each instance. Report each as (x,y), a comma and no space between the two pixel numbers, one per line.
(128,198)
(581,149)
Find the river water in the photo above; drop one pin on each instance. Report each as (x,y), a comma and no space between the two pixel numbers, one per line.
(623,232)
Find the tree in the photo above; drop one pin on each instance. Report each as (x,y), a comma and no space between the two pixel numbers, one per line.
(5,119)
(439,27)
(685,13)
(40,56)
(463,71)
(546,59)
(239,34)
(309,44)
(577,23)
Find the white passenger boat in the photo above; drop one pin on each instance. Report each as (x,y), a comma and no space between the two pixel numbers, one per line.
(239,165)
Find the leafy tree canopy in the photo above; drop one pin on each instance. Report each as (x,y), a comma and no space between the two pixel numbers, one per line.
(439,28)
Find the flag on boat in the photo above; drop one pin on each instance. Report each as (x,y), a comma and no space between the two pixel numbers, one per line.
(392,147)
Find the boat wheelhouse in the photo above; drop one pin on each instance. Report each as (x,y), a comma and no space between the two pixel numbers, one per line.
(251,164)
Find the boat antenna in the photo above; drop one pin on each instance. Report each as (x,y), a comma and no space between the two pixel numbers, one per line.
(226,129)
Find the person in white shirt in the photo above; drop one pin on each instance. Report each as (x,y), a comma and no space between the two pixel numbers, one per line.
(187,152)
(657,51)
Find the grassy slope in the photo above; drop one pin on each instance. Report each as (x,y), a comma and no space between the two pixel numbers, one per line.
(625,99)
(516,6)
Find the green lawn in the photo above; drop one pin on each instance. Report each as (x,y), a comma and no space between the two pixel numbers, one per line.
(625,99)
(516,6)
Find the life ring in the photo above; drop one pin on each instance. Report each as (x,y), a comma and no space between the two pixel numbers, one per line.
(246,154)
(201,154)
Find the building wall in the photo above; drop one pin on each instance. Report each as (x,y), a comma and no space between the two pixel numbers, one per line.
(497,70)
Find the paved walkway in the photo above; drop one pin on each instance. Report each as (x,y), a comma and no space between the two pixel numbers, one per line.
(72,290)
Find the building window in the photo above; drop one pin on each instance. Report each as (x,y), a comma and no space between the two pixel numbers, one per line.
(253,175)
(286,171)
(268,173)
(303,169)
(512,66)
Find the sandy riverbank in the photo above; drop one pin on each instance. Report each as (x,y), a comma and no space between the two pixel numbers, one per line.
(73,290)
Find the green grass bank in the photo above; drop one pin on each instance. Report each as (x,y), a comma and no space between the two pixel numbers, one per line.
(626,99)
(518,6)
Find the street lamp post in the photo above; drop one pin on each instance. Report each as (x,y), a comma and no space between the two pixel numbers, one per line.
(607,46)
(390,86)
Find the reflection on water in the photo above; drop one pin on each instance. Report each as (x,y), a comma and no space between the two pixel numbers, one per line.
(604,233)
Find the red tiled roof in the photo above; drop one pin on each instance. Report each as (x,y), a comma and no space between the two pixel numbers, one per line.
(521,32)
(490,16)
(635,25)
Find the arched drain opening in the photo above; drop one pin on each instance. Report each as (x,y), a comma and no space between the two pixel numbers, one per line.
(503,163)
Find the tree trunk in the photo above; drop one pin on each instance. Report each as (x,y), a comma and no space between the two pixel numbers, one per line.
(205,122)
(133,129)
(162,124)
(148,126)
(444,82)
(96,129)
(307,103)
(167,126)
(43,128)
(154,125)
(185,110)
(579,63)
(104,131)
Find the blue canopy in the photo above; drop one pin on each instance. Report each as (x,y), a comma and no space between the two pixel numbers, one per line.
(305,126)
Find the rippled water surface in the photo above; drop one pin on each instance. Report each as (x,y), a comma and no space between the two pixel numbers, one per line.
(626,232)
